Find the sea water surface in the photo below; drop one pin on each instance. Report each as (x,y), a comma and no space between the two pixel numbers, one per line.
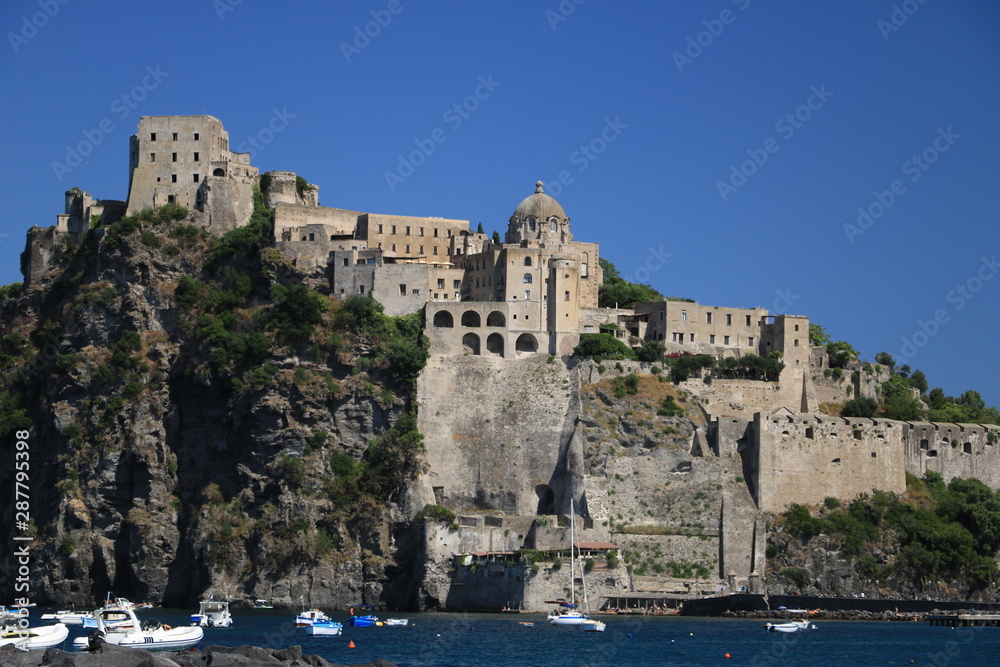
(500,640)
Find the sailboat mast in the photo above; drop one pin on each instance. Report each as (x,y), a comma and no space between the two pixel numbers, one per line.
(572,559)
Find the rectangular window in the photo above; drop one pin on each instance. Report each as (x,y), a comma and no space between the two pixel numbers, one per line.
(380,229)
(750,341)
(421,231)
(748,320)
(174,136)
(729,320)
(171,199)
(152,136)
(196,156)
(691,337)
(195,178)
(684,316)
(394,247)
(152,157)
(415,292)
(441,283)
(407,230)
(680,338)
(421,250)
(346,260)
(173,178)
(708,317)
(394,229)
(312,236)
(674,336)
(711,338)
(527,295)
(435,231)
(173,157)
(196,136)
(361,289)
(402,290)
(456,283)
(725,340)
(435,250)
(567,296)
(407,248)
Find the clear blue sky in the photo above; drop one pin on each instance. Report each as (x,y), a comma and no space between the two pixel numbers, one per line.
(867,91)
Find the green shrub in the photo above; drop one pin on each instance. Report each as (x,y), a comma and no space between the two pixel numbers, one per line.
(603,345)
(437,513)
(796,575)
(150,239)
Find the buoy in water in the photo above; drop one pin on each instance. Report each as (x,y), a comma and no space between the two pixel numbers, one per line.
(350,644)
(727,656)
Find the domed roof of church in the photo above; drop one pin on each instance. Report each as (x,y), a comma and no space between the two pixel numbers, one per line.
(540,205)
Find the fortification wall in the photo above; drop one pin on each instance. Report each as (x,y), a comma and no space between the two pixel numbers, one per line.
(293,221)
(228,202)
(283,189)
(970,451)
(499,433)
(804,458)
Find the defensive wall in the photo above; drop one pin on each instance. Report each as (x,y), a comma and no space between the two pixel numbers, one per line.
(969,451)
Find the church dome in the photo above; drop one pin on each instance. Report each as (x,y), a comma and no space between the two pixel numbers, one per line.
(539,205)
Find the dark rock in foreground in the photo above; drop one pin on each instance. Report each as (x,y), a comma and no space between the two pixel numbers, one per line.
(216,656)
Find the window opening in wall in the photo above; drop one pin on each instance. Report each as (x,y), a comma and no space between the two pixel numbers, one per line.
(748,321)
(874,455)
(527,295)
(421,250)
(407,230)
(566,296)
(346,260)
(527,277)
(174,136)
(729,320)
(440,283)
(924,445)
(708,318)
(407,248)
(811,433)
(527,261)
(421,231)
(173,157)
(796,342)
(152,157)
(711,338)
(152,136)
(173,178)
(857,435)
(394,247)
(394,229)
(750,341)
(684,316)
(196,136)
(967,448)
(835,461)
(435,231)
(170,199)
(312,236)
(361,289)
(380,229)
(725,340)
(195,177)
(196,156)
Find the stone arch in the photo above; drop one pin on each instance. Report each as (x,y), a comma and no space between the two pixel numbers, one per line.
(494,344)
(218,171)
(470,318)
(546,500)
(443,318)
(526,344)
(496,319)
(470,343)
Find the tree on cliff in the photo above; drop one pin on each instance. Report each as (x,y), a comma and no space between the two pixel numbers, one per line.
(616,292)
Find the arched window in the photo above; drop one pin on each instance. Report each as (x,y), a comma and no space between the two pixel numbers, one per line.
(219,172)
(494,344)
(527,277)
(527,261)
(470,343)
(526,343)
(443,318)
(470,318)
(553,224)
(496,319)
(531,223)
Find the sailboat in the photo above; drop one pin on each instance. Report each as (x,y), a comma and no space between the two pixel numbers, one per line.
(568,614)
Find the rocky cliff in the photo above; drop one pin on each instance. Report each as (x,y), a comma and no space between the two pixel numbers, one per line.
(200,422)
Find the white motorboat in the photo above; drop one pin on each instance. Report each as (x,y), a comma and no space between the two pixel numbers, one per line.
(397,621)
(262,604)
(592,625)
(325,628)
(120,626)
(67,616)
(308,617)
(791,626)
(212,614)
(17,632)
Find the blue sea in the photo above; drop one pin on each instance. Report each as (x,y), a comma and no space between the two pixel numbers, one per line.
(499,640)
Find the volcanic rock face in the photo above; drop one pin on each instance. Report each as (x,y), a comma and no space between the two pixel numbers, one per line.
(163,463)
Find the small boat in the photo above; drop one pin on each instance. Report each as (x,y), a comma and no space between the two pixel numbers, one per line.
(17,633)
(325,628)
(567,613)
(67,617)
(397,621)
(527,624)
(212,614)
(150,634)
(262,604)
(592,625)
(309,617)
(363,620)
(790,626)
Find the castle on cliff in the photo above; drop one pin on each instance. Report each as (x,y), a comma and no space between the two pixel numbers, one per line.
(529,296)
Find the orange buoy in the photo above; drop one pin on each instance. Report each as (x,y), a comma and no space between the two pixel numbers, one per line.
(727,656)
(350,644)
